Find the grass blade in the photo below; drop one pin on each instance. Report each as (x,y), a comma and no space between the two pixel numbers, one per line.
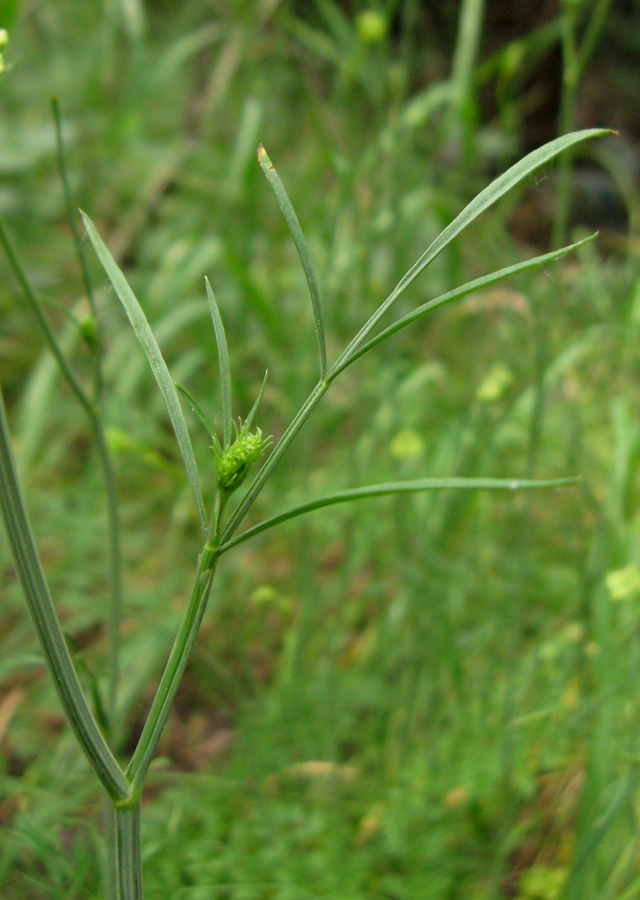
(397,487)
(71,216)
(444,299)
(223,360)
(47,625)
(478,205)
(301,246)
(155,359)
(195,406)
(248,422)
(274,457)
(34,304)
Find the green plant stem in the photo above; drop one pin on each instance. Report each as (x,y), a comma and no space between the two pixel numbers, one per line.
(84,268)
(115,567)
(47,626)
(592,33)
(113,517)
(575,60)
(272,460)
(467,44)
(128,858)
(36,309)
(110,874)
(178,659)
(354,350)
(570,79)
(97,426)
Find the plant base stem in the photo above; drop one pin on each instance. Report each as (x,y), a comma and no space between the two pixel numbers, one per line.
(128,862)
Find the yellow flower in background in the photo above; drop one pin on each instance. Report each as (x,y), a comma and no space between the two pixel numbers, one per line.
(372,26)
(407,444)
(4,40)
(496,383)
(624,584)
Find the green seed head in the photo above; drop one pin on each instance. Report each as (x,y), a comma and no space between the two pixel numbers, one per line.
(371,26)
(89,331)
(234,462)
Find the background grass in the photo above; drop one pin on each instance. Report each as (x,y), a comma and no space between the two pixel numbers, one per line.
(430,697)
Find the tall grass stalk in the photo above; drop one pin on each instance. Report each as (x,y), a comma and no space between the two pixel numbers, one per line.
(92,404)
(462,75)
(240,448)
(576,55)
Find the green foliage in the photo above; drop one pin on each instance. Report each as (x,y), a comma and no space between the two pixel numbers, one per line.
(431,695)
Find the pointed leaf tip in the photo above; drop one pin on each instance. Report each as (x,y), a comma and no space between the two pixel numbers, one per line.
(398,487)
(263,157)
(223,364)
(481,202)
(155,359)
(286,207)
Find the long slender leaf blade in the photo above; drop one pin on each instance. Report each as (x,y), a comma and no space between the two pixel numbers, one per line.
(155,359)
(195,406)
(62,166)
(223,360)
(47,625)
(248,422)
(486,198)
(398,487)
(301,246)
(464,290)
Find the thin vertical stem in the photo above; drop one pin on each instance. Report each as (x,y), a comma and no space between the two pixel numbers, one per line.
(91,409)
(178,657)
(113,517)
(272,460)
(110,875)
(84,268)
(47,625)
(115,570)
(570,77)
(36,308)
(128,858)
(466,51)
(574,61)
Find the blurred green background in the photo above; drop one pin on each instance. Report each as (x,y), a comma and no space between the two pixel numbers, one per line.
(416,698)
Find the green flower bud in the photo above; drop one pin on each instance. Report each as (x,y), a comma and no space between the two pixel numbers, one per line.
(371,26)
(89,331)
(234,462)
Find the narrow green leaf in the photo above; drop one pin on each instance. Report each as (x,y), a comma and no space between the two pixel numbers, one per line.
(248,422)
(195,406)
(62,166)
(35,305)
(478,205)
(301,246)
(83,669)
(444,299)
(47,625)
(397,487)
(274,457)
(155,359)
(223,360)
